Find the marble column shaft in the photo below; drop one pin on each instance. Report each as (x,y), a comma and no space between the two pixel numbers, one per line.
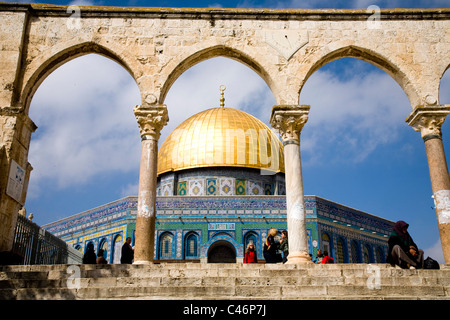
(289,121)
(428,121)
(151,119)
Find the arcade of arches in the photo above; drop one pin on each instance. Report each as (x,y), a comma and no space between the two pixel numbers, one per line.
(156,45)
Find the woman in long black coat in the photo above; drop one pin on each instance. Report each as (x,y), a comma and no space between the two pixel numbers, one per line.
(89,256)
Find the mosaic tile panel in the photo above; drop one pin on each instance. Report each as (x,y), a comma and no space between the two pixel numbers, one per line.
(240,187)
(211,187)
(197,187)
(167,189)
(182,189)
(226,187)
(255,188)
(268,189)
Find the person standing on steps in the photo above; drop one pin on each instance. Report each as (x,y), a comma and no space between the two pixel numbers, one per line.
(127,252)
(271,247)
(90,256)
(250,254)
(284,246)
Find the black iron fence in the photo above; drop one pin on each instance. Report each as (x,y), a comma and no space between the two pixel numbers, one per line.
(38,246)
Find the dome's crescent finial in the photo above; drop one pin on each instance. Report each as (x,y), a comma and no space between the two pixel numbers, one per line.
(222,99)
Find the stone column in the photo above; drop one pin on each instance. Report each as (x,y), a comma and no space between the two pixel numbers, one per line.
(289,121)
(151,119)
(15,135)
(428,121)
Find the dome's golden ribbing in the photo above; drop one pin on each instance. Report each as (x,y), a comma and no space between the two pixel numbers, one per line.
(222,137)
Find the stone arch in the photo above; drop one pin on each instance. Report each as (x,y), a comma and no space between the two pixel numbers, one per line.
(222,251)
(42,69)
(372,57)
(213,52)
(443,74)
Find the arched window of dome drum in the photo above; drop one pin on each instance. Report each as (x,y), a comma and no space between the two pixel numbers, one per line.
(117,249)
(355,252)
(165,246)
(379,256)
(366,256)
(191,245)
(326,243)
(340,249)
(104,246)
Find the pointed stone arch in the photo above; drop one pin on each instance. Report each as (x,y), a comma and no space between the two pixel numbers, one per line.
(42,69)
(213,52)
(368,55)
(222,251)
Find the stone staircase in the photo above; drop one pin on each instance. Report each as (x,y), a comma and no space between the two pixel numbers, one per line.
(197,281)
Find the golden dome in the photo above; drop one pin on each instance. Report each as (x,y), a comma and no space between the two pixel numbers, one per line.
(221,137)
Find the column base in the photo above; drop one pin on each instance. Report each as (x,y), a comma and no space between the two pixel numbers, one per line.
(143,262)
(299,258)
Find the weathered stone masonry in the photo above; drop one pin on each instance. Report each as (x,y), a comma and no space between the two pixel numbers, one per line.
(156,45)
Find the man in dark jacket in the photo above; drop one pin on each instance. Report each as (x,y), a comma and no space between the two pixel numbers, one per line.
(402,249)
(127,252)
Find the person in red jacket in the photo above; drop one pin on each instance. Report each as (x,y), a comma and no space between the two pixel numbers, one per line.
(327,258)
(250,254)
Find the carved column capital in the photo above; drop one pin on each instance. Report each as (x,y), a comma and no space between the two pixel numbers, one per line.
(289,121)
(428,120)
(151,119)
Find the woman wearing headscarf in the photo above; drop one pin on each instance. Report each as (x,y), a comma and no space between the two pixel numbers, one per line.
(90,256)
(403,251)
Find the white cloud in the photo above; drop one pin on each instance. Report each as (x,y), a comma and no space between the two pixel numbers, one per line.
(351,115)
(87,127)
(86,123)
(130,189)
(198,89)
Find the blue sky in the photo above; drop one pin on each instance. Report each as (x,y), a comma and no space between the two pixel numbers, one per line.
(357,149)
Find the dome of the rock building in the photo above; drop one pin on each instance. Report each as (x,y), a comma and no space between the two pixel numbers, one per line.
(221,137)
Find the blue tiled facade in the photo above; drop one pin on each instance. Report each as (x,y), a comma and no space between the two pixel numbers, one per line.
(192,227)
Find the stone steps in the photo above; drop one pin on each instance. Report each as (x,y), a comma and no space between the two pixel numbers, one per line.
(188,281)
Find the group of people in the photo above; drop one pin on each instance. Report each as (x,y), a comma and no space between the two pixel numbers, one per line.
(91,258)
(271,250)
(277,251)
(402,252)
(322,257)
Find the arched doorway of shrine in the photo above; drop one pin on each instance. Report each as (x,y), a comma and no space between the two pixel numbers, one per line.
(221,251)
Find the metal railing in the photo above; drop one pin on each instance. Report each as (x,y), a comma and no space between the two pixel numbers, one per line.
(38,246)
